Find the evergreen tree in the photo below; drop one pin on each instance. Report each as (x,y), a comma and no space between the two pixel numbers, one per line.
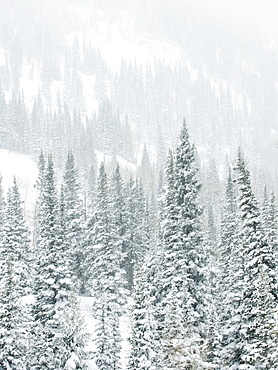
(118,224)
(151,285)
(230,280)
(15,238)
(137,228)
(183,262)
(146,171)
(142,330)
(106,281)
(269,222)
(2,206)
(39,186)
(53,285)
(259,278)
(74,337)
(73,220)
(13,338)
(15,283)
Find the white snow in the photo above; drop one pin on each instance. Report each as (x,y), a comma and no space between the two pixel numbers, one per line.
(91,103)
(114,48)
(125,332)
(86,304)
(28,299)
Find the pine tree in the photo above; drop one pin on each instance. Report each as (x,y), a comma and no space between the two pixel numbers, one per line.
(269,222)
(106,281)
(183,262)
(2,206)
(146,171)
(15,238)
(53,285)
(142,330)
(74,337)
(259,278)
(13,339)
(15,283)
(73,220)
(39,186)
(118,225)
(137,227)
(263,346)
(230,280)
(153,285)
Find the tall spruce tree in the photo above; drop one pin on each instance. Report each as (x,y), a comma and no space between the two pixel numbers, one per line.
(2,206)
(142,324)
(230,280)
(15,237)
(183,263)
(13,338)
(73,221)
(118,223)
(269,222)
(259,279)
(106,279)
(137,227)
(15,283)
(53,285)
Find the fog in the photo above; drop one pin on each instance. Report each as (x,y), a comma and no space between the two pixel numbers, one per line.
(257,14)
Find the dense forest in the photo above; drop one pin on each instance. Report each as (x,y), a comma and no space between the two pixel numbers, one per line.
(154,130)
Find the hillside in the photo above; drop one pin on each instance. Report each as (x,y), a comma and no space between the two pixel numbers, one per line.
(142,135)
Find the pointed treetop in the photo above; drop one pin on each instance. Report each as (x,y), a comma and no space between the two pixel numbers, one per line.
(184,131)
(102,168)
(265,194)
(230,196)
(240,161)
(170,168)
(41,163)
(116,172)
(243,177)
(184,125)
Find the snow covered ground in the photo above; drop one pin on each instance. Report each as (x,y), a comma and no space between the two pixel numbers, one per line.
(86,304)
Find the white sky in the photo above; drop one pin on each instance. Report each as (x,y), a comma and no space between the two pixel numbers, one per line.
(261,12)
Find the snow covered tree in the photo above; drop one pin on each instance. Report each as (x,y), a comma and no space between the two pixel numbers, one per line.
(53,285)
(39,186)
(270,222)
(118,224)
(16,243)
(262,348)
(73,336)
(13,338)
(137,227)
(182,346)
(106,279)
(146,171)
(230,280)
(257,313)
(2,206)
(73,220)
(183,261)
(142,341)
(15,282)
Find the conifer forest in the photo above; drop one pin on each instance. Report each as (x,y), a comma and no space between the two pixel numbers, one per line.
(138,185)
